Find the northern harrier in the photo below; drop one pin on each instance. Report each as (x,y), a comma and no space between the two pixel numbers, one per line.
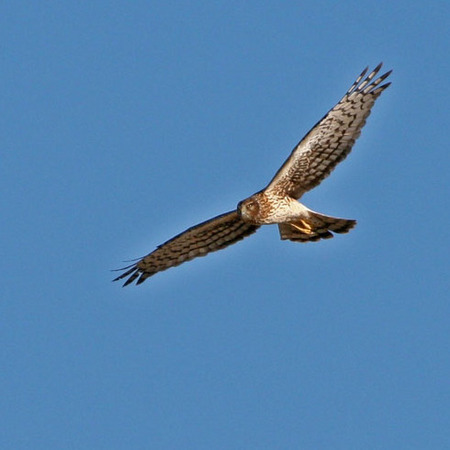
(317,154)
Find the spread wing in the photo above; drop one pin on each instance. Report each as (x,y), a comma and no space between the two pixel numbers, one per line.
(206,237)
(331,139)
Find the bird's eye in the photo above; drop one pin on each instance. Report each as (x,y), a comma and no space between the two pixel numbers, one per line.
(253,206)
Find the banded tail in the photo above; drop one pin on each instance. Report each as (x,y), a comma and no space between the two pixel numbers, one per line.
(315,227)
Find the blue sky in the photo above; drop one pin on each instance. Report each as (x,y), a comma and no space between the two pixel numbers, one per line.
(126,122)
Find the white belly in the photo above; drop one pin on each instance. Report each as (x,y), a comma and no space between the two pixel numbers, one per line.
(285,209)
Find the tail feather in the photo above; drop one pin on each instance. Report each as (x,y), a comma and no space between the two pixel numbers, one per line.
(315,227)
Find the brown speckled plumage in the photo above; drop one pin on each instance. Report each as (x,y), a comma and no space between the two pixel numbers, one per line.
(312,160)
(204,238)
(330,140)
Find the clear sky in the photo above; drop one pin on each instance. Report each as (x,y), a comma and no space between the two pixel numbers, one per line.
(123,123)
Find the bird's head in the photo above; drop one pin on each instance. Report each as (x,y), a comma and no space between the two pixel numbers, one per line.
(249,209)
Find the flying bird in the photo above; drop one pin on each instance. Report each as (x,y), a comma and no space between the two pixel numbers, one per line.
(312,160)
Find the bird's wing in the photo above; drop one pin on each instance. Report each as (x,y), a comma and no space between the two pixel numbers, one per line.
(331,139)
(199,240)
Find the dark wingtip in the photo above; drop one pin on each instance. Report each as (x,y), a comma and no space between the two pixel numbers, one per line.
(132,273)
(119,277)
(385,75)
(378,67)
(129,281)
(364,72)
(144,276)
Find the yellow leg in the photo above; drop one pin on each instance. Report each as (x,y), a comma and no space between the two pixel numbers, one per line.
(303,227)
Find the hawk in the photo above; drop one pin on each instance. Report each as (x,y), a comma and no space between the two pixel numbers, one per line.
(312,160)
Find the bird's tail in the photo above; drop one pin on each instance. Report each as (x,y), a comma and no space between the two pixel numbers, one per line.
(314,227)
